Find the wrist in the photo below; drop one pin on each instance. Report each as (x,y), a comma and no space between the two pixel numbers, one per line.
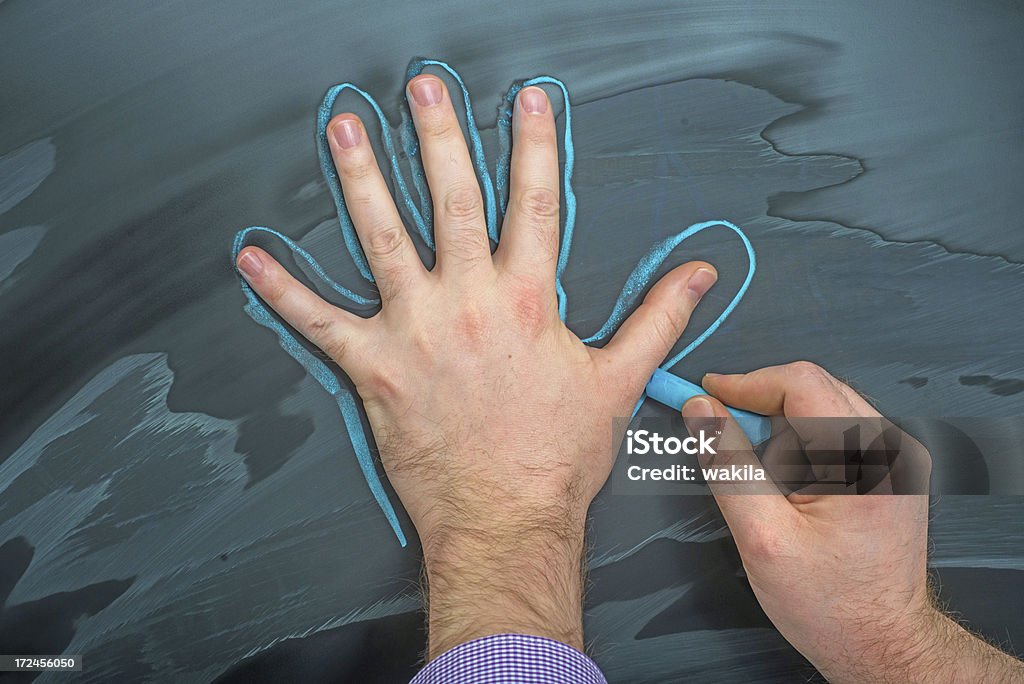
(919,649)
(514,574)
(928,646)
(949,652)
(885,647)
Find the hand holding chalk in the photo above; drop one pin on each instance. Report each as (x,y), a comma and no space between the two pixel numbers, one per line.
(673,391)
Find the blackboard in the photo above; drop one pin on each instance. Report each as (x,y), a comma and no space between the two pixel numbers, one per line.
(177,498)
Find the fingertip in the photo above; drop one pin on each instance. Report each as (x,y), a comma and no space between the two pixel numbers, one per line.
(533,100)
(344,116)
(535,124)
(426,90)
(703,413)
(703,265)
(716,379)
(729,388)
(671,285)
(345,130)
(418,79)
(698,407)
(252,262)
(678,279)
(702,278)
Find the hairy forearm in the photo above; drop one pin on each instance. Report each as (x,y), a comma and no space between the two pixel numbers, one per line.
(956,655)
(931,648)
(523,575)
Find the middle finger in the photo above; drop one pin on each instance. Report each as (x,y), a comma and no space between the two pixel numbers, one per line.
(459,225)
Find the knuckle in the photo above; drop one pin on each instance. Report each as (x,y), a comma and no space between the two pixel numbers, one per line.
(381,385)
(471,325)
(540,134)
(462,202)
(357,169)
(393,281)
(764,542)
(386,241)
(423,346)
(808,372)
(335,346)
(276,292)
(361,204)
(317,324)
(467,246)
(806,368)
(665,326)
(444,128)
(547,243)
(922,458)
(531,302)
(539,203)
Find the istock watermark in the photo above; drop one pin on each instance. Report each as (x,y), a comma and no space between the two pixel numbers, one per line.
(645,441)
(868,455)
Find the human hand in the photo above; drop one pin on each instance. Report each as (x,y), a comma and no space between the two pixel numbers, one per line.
(842,577)
(493,420)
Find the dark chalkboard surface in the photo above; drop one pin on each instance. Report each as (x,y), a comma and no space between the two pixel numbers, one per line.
(178,501)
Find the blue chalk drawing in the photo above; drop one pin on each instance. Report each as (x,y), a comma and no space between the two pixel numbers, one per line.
(495,192)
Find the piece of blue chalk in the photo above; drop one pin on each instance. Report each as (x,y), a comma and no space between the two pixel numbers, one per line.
(673,391)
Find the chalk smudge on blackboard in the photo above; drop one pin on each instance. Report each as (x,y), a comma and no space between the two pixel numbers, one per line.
(23,170)
(16,246)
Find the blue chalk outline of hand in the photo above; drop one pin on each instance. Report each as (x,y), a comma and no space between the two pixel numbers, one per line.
(495,200)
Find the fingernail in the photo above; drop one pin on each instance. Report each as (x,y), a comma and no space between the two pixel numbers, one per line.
(533,100)
(698,407)
(250,264)
(347,133)
(699,414)
(426,91)
(700,282)
(711,375)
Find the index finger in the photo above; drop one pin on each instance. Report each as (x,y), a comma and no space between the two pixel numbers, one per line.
(850,446)
(826,419)
(796,390)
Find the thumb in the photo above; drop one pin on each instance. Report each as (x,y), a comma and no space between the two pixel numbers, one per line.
(752,508)
(648,335)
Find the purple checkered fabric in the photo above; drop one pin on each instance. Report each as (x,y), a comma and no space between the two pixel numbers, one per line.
(508,659)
